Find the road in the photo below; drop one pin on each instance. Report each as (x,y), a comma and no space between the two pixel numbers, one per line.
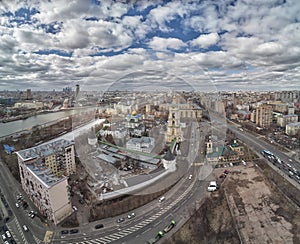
(149,219)
(257,143)
(180,201)
(10,188)
(154,216)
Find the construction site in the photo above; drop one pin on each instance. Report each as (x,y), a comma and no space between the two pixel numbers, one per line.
(254,204)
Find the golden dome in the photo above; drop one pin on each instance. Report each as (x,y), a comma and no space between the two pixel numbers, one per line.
(134,113)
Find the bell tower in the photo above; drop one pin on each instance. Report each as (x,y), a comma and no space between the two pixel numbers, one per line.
(173,128)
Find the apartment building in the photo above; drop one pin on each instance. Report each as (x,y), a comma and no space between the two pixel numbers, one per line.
(283,120)
(44,172)
(264,116)
(292,129)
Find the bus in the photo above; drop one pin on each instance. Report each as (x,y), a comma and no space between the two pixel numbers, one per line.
(267,153)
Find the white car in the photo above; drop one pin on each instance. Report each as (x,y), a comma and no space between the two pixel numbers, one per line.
(8,234)
(131,215)
(3,237)
(17,205)
(161,199)
(190,177)
(212,186)
(25,228)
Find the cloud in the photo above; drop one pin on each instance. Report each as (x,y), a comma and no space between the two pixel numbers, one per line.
(158,43)
(238,43)
(269,49)
(206,40)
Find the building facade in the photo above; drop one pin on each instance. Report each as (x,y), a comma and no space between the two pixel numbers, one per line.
(264,116)
(292,129)
(173,128)
(142,144)
(283,120)
(44,172)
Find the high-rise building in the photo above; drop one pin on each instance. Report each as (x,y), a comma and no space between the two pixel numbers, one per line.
(77,91)
(28,94)
(173,128)
(264,116)
(43,172)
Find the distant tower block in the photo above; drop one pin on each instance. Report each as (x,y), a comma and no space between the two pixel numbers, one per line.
(173,129)
(28,94)
(77,91)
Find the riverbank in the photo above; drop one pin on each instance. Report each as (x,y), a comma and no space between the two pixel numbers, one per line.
(22,126)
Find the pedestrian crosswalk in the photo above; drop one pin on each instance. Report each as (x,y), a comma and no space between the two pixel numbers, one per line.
(117,236)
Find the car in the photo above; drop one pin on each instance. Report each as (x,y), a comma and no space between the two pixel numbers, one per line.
(190,177)
(6,242)
(31,214)
(64,232)
(74,208)
(19,196)
(8,234)
(25,228)
(161,199)
(212,186)
(120,220)
(99,226)
(131,215)
(170,226)
(81,201)
(17,205)
(74,231)
(3,237)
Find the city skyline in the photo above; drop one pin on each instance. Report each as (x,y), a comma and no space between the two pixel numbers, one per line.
(140,45)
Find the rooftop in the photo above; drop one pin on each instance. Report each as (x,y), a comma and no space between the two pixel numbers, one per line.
(38,166)
(44,174)
(44,150)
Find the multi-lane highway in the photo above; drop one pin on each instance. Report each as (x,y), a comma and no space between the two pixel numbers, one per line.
(18,216)
(257,143)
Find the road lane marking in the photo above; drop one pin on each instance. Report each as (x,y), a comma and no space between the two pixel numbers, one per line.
(146,230)
(116,235)
(107,239)
(126,231)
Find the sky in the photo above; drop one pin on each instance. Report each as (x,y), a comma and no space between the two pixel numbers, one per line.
(150,44)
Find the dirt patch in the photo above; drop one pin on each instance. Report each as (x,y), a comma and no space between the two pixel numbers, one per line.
(212,223)
(248,207)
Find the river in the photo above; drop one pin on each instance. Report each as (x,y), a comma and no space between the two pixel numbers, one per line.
(19,125)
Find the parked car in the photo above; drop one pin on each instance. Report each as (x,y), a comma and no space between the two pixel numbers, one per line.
(212,186)
(73,231)
(8,234)
(64,232)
